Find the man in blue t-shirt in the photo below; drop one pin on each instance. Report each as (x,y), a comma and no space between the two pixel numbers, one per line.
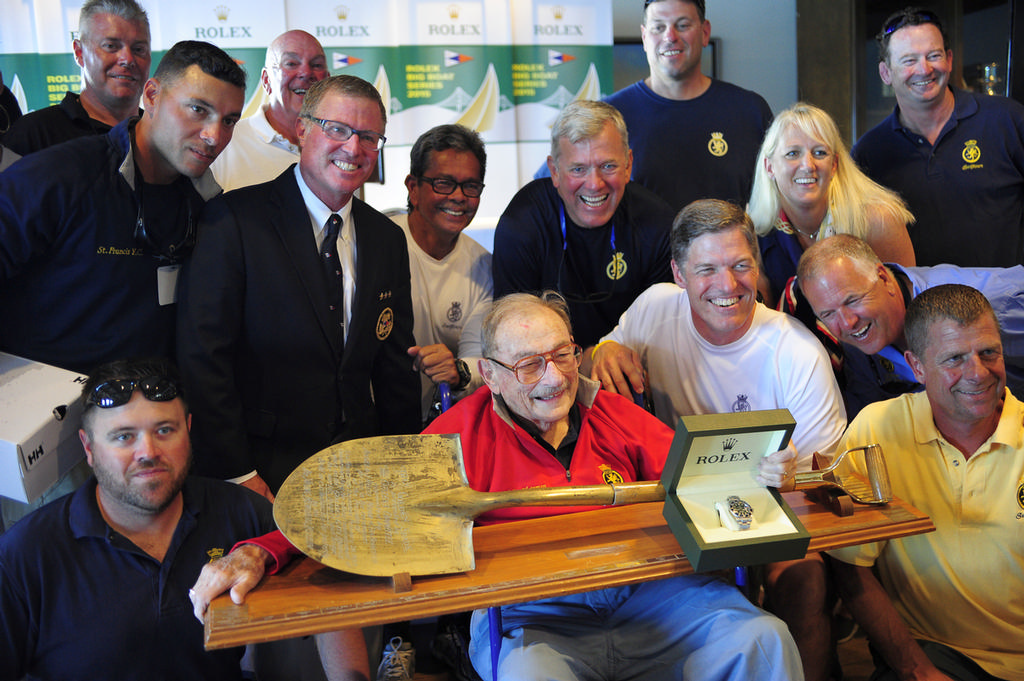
(693,137)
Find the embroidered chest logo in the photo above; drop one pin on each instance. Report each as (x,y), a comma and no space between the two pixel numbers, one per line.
(214,554)
(971,152)
(609,476)
(385,322)
(1020,495)
(616,269)
(454,313)
(717,144)
(741,403)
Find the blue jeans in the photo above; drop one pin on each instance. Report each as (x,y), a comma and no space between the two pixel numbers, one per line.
(693,627)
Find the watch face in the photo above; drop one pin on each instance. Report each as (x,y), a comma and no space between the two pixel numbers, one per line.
(464,376)
(739,508)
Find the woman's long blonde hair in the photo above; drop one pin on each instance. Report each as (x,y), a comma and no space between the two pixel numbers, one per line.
(850,193)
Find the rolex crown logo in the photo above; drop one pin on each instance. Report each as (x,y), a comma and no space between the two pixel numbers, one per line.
(558,11)
(453,12)
(728,443)
(222,12)
(342,12)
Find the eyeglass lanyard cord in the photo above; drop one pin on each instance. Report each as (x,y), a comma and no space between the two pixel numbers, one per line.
(565,240)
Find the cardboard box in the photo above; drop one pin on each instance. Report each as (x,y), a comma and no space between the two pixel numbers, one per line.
(713,457)
(39,418)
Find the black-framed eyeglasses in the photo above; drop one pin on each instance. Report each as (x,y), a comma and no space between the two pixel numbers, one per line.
(118,392)
(471,189)
(910,18)
(530,370)
(340,132)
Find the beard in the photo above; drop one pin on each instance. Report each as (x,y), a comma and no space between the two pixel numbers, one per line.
(147,497)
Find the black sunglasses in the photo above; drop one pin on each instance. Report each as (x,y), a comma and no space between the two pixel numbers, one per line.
(912,18)
(118,392)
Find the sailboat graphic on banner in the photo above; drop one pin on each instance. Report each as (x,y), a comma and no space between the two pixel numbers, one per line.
(591,88)
(483,109)
(383,86)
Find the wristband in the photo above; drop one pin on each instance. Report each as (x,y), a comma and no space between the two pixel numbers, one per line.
(594,351)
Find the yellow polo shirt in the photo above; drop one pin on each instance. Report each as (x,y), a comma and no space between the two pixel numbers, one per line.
(962,585)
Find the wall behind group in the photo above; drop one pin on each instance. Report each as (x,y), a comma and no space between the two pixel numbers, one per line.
(495,48)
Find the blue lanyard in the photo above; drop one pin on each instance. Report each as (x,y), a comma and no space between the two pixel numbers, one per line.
(565,240)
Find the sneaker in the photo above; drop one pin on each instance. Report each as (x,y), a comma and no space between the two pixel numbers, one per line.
(398,663)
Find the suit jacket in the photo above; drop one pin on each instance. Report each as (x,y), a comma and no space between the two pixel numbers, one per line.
(266,379)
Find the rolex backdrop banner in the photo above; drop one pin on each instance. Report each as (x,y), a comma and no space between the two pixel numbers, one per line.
(502,67)
(560,54)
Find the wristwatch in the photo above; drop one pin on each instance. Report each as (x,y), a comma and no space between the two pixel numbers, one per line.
(464,376)
(735,513)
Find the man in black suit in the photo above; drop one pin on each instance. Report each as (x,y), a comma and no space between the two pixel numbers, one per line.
(281,357)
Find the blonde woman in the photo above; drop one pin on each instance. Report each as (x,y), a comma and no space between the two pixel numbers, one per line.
(806,187)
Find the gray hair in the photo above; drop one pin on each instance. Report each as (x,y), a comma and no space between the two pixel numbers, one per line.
(954,302)
(520,303)
(129,10)
(816,260)
(584,119)
(708,216)
(346,86)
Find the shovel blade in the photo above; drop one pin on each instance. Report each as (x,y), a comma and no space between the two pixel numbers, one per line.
(355,506)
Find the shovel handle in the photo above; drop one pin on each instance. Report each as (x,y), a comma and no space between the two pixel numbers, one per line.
(602,495)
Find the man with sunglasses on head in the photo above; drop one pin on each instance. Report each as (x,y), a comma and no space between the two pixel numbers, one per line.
(450,272)
(540,424)
(587,231)
(266,143)
(95,584)
(95,230)
(956,157)
(296,313)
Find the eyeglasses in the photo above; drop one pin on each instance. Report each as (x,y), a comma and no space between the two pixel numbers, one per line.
(530,370)
(471,189)
(118,392)
(912,18)
(339,132)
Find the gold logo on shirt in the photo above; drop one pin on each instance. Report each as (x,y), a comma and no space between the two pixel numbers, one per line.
(617,267)
(971,152)
(214,554)
(609,476)
(385,322)
(717,144)
(1020,495)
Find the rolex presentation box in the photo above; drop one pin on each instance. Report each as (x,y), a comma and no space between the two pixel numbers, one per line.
(39,418)
(714,457)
